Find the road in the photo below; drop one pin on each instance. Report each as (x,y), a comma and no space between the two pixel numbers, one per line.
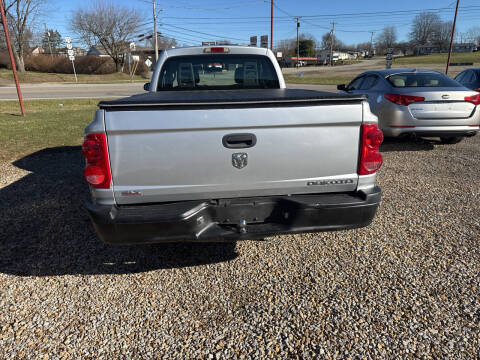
(79,91)
(71,91)
(355,68)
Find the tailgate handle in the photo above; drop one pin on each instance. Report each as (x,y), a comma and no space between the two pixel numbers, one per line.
(239,141)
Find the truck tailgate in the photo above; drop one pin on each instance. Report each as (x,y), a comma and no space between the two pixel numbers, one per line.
(160,154)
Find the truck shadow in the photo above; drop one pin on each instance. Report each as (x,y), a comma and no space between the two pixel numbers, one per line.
(44,229)
(407,144)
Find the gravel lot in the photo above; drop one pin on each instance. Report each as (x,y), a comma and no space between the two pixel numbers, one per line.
(408,286)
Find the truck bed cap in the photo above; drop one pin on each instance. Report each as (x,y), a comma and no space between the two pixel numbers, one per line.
(201,98)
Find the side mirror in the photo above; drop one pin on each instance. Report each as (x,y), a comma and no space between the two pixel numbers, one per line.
(342,87)
(146,86)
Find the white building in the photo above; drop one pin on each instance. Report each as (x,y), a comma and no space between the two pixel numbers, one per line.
(324,56)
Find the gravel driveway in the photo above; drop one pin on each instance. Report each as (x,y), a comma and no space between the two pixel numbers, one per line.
(408,286)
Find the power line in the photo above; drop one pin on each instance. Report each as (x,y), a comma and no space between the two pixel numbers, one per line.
(356,15)
(203,33)
(205,9)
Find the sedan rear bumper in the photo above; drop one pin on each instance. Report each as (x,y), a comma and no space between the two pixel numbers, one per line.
(233,219)
(431,131)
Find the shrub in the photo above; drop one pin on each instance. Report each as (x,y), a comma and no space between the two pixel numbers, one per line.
(40,63)
(5,60)
(61,64)
(141,70)
(94,65)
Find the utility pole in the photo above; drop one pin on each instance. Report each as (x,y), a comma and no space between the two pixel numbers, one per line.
(12,60)
(155,30)
(451,39)
(298,43)
(371,43)
(271,26)
(332,39)
(48,39)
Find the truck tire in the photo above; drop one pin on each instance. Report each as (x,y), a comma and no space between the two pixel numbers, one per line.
(451,140)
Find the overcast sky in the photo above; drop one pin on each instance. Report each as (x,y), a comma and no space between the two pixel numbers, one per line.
(237,20)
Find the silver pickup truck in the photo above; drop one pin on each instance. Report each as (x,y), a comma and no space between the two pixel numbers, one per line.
(219,150)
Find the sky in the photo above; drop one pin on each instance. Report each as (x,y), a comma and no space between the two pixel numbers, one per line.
(193,21)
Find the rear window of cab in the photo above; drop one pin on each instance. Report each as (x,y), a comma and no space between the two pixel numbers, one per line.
(217,72)
(413,80)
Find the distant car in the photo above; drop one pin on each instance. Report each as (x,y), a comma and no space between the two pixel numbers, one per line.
(470,78)
(420,102)
(215,67)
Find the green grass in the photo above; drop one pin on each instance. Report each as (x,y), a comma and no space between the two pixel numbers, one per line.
(39,77)
(438,59)
(305,79)
(47,124)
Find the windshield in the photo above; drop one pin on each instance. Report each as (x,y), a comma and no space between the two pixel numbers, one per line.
(217,72)
(412,80)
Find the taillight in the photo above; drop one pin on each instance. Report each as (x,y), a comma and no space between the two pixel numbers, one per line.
(474,99)
(477,89)
(370,158)
(97,170)
(403,99)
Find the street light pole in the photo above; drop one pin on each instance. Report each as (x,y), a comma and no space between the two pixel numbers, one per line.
(332,39)
(155,30)
(271,26)
(371,44)
(12,61)
(451,39)
(298,43)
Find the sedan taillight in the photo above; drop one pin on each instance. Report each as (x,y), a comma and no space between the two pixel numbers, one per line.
(474,99)
(401,99)
(97,170)
(370,158)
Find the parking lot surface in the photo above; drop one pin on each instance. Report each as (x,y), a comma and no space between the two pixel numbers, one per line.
(407,286)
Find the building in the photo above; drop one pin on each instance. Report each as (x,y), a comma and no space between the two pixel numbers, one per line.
(324,56)
(76,51)
(436,49)
(97,50)
(37,51)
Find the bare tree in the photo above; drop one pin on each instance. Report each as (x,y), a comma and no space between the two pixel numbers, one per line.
(166,42)
(423,27)
(326,40)
(363,46)
(442,34)
(473,34)
(107,24)
(21,16)
(288,47)
(386,39)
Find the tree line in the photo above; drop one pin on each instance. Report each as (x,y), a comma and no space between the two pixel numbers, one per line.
(427,29)
(102,23)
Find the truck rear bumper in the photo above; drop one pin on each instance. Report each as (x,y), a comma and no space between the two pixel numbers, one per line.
(233,219)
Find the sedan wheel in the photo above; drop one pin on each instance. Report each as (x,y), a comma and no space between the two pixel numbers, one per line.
(451,140)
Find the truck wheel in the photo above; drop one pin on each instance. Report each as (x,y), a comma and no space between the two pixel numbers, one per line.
(451,140)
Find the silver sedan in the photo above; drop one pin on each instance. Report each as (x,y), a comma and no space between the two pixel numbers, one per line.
(421,102)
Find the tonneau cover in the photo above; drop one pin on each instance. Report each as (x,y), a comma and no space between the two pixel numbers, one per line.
(228,97)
